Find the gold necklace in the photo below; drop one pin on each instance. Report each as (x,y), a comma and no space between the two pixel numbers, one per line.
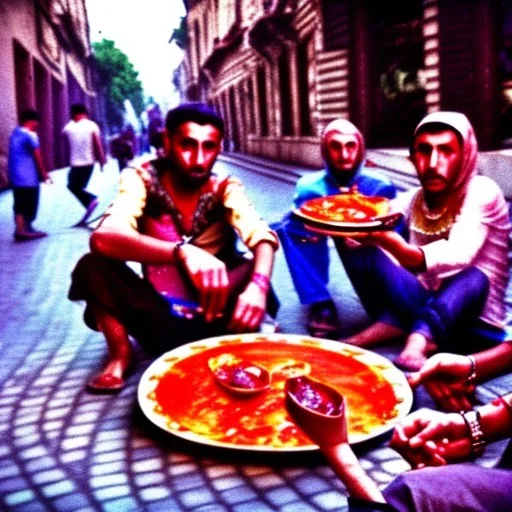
(427,223)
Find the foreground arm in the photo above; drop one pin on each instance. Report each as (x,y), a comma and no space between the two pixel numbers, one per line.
(345,464)
(262,241)
(432,438)
(446,376)
(330,434)
(251,305)
(408,255)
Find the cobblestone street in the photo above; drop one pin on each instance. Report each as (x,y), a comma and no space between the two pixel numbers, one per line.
(62,449)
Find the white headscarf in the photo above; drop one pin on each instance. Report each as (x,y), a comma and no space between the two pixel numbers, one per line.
(460,123)
(344,127)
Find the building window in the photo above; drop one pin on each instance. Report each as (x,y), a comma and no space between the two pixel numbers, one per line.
(262,101)
(284,93)
(306,127)
(336,24)
(250,100)
(197,42)
(206,32)
(505,61)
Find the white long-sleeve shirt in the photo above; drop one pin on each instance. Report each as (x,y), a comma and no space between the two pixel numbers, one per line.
(479,237)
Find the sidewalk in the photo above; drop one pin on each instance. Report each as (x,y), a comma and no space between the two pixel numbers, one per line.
(394,163)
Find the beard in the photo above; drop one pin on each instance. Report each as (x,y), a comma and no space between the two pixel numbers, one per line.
(192,181)
(342,177)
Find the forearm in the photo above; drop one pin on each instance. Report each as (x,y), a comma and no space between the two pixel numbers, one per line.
(41,169)
(344,463)
(98,149)
(496,418)
(132,246)
(409,256)
(493,362)
(264,259)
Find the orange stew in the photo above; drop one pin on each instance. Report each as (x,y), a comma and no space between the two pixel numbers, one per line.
(191,400)
(345,208)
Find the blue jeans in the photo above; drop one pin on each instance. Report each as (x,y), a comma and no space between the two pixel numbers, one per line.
(307,256)
(453,487)
(393,295)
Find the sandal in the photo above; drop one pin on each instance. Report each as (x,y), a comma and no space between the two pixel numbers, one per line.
(105,383)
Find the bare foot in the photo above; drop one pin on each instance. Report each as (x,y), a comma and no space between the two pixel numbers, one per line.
(111,378)
(379,332)
(416,352)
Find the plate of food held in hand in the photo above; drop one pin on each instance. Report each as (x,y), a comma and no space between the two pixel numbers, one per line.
(347,213)
(230,391)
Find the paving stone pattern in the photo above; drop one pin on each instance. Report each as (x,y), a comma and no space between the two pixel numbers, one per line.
(63,449)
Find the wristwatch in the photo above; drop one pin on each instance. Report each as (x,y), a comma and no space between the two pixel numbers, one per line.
(472,420)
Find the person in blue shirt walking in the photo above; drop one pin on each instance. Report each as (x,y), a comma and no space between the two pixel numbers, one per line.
(26,170)
(306,253)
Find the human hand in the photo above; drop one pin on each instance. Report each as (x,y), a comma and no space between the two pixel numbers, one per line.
(431,438)
(249,310)
(210,278)
(445,377)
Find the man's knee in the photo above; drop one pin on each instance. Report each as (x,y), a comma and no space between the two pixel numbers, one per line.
(88,264)
(475,281)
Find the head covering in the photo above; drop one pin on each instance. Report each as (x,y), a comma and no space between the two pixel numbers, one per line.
(461,125)
(426,226)
(344,127)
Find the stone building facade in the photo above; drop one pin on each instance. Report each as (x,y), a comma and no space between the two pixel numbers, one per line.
(45,63)
(280,70)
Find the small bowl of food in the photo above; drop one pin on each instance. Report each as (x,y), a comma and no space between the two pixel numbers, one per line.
(317,409)
(238,376)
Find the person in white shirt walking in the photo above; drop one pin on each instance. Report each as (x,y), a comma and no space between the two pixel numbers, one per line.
(82,141)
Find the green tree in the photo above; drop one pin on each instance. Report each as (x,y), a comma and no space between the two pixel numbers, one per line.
(118,80)
(180,34)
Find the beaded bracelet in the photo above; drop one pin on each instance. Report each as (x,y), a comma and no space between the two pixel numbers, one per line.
(261,281)
(472,371)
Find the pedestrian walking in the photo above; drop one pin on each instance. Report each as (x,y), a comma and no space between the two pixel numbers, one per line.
(82,141)
(26,170)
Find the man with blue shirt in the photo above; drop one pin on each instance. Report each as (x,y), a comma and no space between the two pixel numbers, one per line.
(306,253)
(26,170)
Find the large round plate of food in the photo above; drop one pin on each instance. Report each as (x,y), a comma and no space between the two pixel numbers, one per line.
(347,212)
(179,393)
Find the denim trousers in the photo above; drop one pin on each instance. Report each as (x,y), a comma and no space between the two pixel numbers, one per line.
(393,295)
(307,257)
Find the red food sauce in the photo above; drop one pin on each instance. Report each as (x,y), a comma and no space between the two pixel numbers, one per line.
(190,399)
(346,208)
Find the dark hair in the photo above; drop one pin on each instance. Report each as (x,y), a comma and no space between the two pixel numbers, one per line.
(29,115)
(436,127)
(193,112)
(78,108)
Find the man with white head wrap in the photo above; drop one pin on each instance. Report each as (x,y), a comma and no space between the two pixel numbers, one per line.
(451,275)
(307,255)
